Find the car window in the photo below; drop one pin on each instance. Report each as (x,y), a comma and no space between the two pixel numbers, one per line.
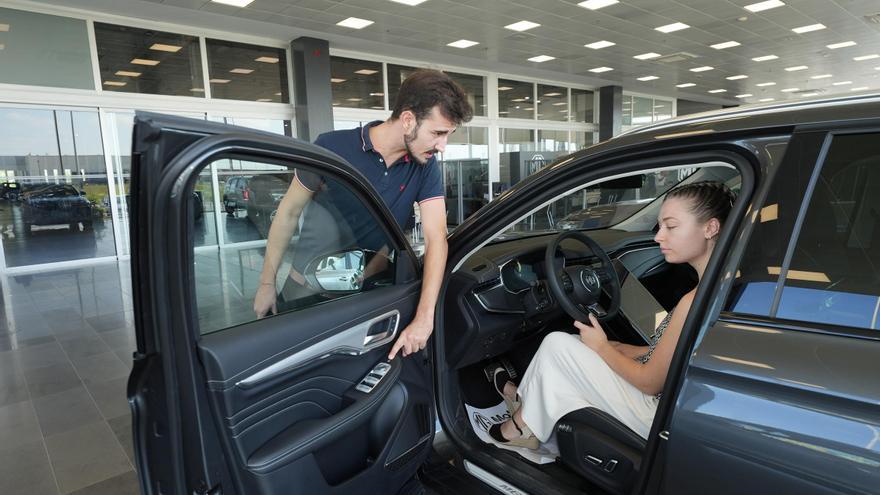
(834,275)
(338,248)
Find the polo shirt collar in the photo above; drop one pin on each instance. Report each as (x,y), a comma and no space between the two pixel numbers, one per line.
(367,143)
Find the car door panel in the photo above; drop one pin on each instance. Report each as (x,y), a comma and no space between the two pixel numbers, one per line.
(271,405)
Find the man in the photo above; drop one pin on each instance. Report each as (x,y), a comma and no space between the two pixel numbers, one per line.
(397,157)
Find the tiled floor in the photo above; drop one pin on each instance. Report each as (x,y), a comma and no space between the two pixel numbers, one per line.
(66,339)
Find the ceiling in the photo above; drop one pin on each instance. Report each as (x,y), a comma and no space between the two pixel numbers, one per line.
(422,32)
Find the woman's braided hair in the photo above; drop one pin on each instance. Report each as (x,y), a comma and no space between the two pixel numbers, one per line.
(708,199)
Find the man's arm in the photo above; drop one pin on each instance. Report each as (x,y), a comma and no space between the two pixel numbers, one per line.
(415,336)
(280,232)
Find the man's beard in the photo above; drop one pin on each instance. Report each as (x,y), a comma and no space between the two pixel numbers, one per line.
(408,139)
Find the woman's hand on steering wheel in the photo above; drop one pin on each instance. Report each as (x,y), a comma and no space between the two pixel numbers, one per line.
(592,333)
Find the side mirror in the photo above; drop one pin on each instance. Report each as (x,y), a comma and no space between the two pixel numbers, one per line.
(342,271)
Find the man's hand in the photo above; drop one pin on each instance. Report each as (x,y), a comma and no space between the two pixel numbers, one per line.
(265,299)
(414,338)
(592,334)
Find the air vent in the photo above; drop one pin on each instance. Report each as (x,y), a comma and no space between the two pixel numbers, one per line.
(676,57)
(873,18)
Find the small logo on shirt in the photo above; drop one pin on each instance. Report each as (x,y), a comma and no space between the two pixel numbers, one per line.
(402,187)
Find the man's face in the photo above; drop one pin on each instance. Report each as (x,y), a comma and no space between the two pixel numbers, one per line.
(428,136)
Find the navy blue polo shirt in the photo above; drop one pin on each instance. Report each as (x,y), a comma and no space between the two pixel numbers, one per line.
(404,183)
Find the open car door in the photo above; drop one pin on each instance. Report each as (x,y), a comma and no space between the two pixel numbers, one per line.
(304,401)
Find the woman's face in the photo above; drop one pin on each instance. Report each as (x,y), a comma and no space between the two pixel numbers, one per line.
(682,237)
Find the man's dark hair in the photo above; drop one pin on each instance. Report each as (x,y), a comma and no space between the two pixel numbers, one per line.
(425,89)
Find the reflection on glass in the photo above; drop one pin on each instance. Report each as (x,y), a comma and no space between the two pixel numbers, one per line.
(465,166)
(581,105)
(239,71)
(643,110)
(549,140)
(250,193)
(582,140)
(662,110)
(52,181)
(552,103)
(626,111)
(356,83)
(516,99)
(137,60)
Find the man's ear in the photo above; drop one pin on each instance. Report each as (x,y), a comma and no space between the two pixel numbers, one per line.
(408,118)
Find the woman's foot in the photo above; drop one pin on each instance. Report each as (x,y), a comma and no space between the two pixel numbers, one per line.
(510,433)
(506,389)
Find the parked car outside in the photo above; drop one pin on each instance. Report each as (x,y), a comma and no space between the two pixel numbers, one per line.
(772,387)
(263,193)
(56,204)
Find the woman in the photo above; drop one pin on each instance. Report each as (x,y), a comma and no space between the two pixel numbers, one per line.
(570,372)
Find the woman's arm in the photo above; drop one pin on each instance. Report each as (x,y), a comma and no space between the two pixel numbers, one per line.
(648,377)
(629,350)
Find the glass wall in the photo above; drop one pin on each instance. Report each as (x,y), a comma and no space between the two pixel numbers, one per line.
(516,99)
(582,102)
(465,165)
(54,189)
(552,103)
(137,60)
(357,83)
(238,71)
(640,110)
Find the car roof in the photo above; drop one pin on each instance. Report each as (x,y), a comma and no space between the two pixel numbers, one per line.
(749,117)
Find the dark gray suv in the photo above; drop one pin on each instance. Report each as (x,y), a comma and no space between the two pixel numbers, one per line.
(772,388)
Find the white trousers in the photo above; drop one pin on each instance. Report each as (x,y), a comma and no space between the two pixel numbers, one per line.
(565,375)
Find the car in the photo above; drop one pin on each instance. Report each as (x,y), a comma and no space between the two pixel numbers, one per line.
(236,194)
(10,191)
(54,204)
(264,193)
(771,388)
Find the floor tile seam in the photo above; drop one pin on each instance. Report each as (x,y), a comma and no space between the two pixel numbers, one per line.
(43,443)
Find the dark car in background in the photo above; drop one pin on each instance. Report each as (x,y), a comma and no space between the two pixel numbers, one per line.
(10,191)
(56,204)
(264,193)
(772,387)
(236,194)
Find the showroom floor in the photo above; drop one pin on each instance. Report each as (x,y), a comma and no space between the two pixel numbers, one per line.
(66,339)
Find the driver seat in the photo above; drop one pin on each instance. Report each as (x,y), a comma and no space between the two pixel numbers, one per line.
(600,448)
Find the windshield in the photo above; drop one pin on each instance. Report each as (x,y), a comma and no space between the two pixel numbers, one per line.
(628,203)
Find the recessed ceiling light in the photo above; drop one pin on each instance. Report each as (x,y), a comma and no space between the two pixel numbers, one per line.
(789,90)
(552,94)
(504,88)
(860,88)
(845,44)
(761,6)
(462,44)
(796,68)
(219,81)
(144,61)
(866,57)
(746,95)
(765,58)
(197,90)
(822,76)
(805,95)
(264,99)
(808,29)
(2,46)
(377,94)
(267,60)
(599,70)
(241,71)
(4,28)
(596,4)
(411,3)
(522,26)
(718,91)
(159,47)
(765,100)
(726,44)
(366,72)
(354,23)
(234,3)
(647,78)
(702,69)
(762,85)
(337,80)
(685,85)
(671,28)
(737,78)
(127,73)
(648,56)
(354,99)
(542,58)
(560,103)
(841,83)
(115,83)
(600,44)
(518,100)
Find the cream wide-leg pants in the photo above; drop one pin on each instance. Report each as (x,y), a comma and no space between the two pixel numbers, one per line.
(566,375)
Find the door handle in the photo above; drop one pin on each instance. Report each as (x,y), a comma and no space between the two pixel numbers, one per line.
(380,331)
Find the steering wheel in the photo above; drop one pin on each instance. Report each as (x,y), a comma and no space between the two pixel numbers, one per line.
(578,287)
